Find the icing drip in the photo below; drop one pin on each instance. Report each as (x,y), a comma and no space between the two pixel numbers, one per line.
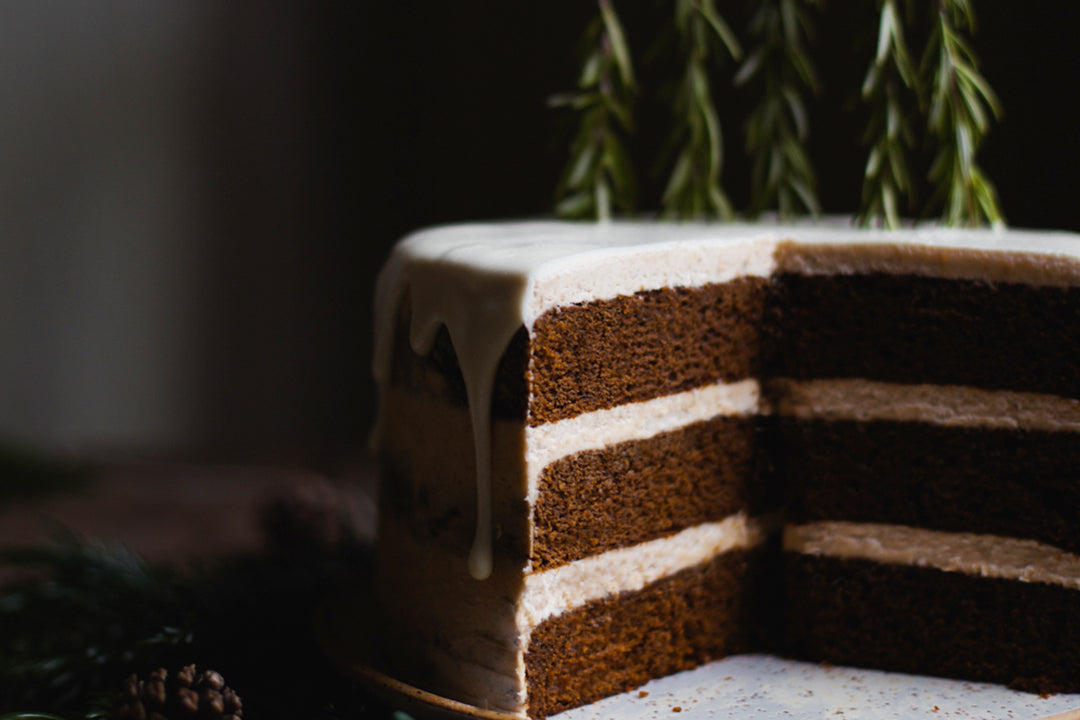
(481,315)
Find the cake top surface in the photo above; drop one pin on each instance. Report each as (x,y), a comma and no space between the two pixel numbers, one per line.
(538,265)
(531,247)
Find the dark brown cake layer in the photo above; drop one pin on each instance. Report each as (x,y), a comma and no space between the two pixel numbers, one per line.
(908,329)
(658,342)
(606,353)
(1018,483)
(929,622)
(635,491)
(610,646)
(913,329)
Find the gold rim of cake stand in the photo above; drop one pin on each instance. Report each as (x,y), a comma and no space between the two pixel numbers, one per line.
(348,645)
(394,687)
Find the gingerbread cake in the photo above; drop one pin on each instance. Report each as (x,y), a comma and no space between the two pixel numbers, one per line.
(613,452)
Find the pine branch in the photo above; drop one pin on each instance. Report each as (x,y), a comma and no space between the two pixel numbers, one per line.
(961,103)
(88,615)
(890,88)
(599,174)
(693,189)
(97,610)
(776,131)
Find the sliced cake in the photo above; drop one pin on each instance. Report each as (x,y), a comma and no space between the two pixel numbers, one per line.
(612,452)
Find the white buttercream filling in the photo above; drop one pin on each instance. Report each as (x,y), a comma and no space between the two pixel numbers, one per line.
(948,405)
(555,591)
(1045,259)
(634,421)
(698,260)
(989,556)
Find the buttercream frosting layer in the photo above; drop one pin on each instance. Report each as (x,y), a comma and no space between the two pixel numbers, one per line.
(989,556)
(551,592)
(947,405)
(598,429)
(1043,259)
(635,491)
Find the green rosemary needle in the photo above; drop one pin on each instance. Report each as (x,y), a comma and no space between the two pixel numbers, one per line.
(693,189)
(891,87)
(961,103)
(599,174)
(782,176)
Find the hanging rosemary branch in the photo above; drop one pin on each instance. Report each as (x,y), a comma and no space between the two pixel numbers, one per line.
(693,189)
(890,87)
(599,174)
(961,102)
(782,177)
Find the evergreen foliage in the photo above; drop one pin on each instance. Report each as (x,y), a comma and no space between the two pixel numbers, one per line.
(599,174)
(776,131)
(922,106)
(693,189)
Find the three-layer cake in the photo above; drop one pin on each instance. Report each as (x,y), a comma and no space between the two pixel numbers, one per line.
(612,452)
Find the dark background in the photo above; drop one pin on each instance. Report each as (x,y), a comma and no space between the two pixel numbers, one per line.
(197,197)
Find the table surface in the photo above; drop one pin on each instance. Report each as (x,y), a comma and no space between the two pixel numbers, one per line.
(177,512)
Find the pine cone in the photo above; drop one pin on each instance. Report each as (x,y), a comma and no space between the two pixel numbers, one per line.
(185,695)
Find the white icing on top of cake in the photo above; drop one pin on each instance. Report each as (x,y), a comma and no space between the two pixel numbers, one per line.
(483,282)
(990,556)
(552,592)
(948,405)
(633,421)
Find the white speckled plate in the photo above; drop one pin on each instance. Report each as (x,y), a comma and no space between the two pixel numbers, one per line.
(743,687)
(764,686)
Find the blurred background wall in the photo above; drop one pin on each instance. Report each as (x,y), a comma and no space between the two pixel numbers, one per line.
(195,197)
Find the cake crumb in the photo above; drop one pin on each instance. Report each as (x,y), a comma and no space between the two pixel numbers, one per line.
(677,708)
(643,693)
(935,708)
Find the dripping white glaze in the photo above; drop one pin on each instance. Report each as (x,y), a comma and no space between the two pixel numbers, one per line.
(481,317)
(483,282)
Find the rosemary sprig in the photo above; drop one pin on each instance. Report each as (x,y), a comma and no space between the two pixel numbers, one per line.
(961,102)
(776,131)
(891,86)
(599,174)
(693,189)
